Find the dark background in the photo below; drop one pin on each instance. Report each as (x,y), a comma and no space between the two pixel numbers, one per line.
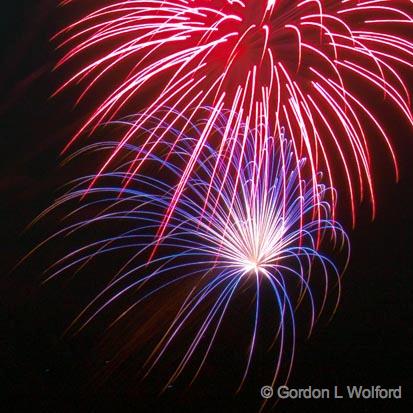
(369,341)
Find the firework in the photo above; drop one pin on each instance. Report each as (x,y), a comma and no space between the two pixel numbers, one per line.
(262,231)
(300,64)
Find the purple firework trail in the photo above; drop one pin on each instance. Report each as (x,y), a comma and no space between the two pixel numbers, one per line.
(244,225)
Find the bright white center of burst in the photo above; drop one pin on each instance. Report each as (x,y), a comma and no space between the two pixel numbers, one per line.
(252,245)
(252,266)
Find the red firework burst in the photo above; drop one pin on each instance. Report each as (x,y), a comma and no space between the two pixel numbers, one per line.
(270,64)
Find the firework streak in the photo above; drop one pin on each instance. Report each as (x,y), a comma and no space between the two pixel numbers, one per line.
(312,66)
(264,230)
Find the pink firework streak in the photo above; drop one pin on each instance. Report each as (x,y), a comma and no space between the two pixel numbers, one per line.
(303,65)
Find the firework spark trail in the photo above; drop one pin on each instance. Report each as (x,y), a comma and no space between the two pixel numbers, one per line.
(295,63)
(257,231)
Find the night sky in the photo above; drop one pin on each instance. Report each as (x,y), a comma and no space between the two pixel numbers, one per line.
(369,341)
